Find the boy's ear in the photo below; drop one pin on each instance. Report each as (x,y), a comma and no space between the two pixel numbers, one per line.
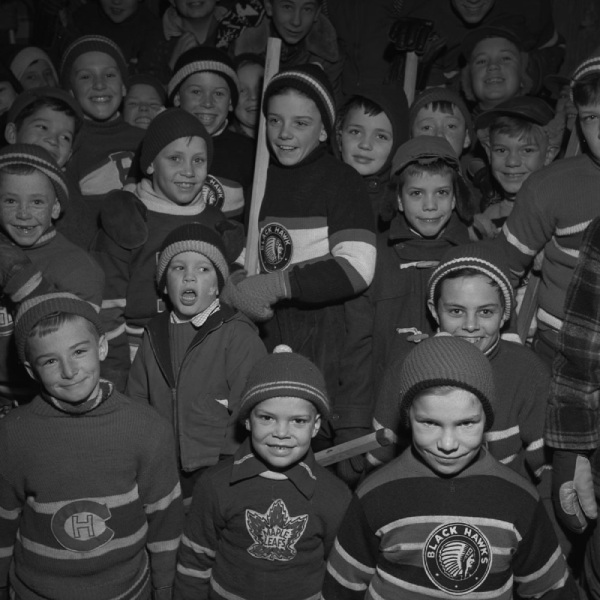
(123,90)
(102,347)
(177,100)
(30,370)
(10,133)
(55,210)
(323,134)
(150,169)
(467,142)
(400,206)
(551,152)
(247,424)
(433,310)
(317,425)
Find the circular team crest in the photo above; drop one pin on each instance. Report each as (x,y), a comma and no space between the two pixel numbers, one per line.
(215,194)
(457,558)
(275,247)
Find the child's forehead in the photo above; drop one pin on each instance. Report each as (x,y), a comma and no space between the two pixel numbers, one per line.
(51,114)
(469,287)
(424,178)
(205,78)
(520,139)
(27,185)
(285,406)
(190,257)
(360,114)
(493,45)
(448,400)
(443,112)
(191,144)
(94,58)
(294,101)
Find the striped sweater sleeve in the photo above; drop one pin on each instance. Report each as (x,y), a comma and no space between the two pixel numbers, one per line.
(198,544)
(352,561)
(10,513)
(160,492)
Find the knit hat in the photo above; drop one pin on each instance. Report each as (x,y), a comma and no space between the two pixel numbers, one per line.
(587,67)
(444,360)
(26,57)
(193,237)
(29,97)
(202,58)
(424,149)
(153,82)
(511,28)
(310,79)
(36,308)
(38,158)
(90,43)
(439,94)
(484,257)
(284,373)
(168,126)
(528,108)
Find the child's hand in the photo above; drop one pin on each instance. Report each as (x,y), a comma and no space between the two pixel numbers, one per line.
(184,43)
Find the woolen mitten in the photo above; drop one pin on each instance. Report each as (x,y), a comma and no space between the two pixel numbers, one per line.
(123,219)
(19,277)
(255,295)
(573,490)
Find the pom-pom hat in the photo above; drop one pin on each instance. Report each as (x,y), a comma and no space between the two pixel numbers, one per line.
(445,360)
(483,257)
(284,374)
(168,126)
(91,43)
(311,80)
(37,308)
(199,59)
(193,237)
(38,158)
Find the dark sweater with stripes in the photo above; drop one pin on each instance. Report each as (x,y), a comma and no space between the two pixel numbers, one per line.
(91,502)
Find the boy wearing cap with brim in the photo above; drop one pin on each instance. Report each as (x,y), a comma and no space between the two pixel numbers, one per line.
(429,188)
(33,194)
(519,136)
(33,68)
(194,359)
(552,210)
(316,234)
(90,503)
(175,157)
(446,518)
(93,69)
(269,514)
(205,84)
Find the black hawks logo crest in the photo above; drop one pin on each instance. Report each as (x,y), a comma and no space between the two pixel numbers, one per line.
(275,533)
(215,194)
(457,558)
(275,247)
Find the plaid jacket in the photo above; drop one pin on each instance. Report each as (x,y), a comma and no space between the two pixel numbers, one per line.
(573,414)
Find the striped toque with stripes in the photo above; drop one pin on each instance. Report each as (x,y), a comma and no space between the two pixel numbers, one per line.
(284,374)
(587,67)
(311,80)
(36,308)
(199,59)
(38,158)
(483,257)
(91,43)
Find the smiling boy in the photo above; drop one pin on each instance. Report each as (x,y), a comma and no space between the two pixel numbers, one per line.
(445,517)
(200,343)
(66,537)
(270,512)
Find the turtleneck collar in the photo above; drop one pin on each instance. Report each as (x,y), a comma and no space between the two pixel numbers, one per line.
(105,389)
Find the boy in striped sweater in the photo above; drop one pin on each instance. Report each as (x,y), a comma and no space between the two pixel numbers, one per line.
(90,502)
(445,518)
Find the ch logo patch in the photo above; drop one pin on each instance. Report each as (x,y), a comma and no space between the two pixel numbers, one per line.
(80,526)
(275,533)
(457,558)
(276,247)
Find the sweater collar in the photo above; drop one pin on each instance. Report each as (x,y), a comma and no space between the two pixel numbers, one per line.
(247,465)
(45,238)
(455,231)
(155,203)
(105,389)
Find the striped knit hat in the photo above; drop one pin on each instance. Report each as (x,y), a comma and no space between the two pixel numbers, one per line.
(199,59)
(311,80)
(444,360)
(38,158)
(587,67)
(193,237)
(36,308)
(168,126)
(90,43)
(483,257)
(284,373)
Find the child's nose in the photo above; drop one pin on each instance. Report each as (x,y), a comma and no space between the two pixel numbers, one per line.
(471,323)
(513,159)
(23,211)
(69,369)
(430,202)
(447,442)
(365,143)
(296,21)
(281,429)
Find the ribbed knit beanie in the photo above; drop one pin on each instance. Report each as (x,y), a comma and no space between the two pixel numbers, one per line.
(484,257)
(203,58)
(439,94)
(91,43)
(38,158)
(153,82)
(29,97)
(284,373)
(168,126)
(25,57)
(590,65)
(445,360)
(193,237)
(311,80)
(36,308)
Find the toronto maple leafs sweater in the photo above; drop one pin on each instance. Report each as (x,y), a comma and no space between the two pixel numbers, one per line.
(412,534)
(257,535)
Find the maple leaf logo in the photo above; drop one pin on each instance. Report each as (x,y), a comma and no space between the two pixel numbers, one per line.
(275,533)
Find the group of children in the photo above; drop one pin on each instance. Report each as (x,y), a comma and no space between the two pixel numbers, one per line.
(191,395)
